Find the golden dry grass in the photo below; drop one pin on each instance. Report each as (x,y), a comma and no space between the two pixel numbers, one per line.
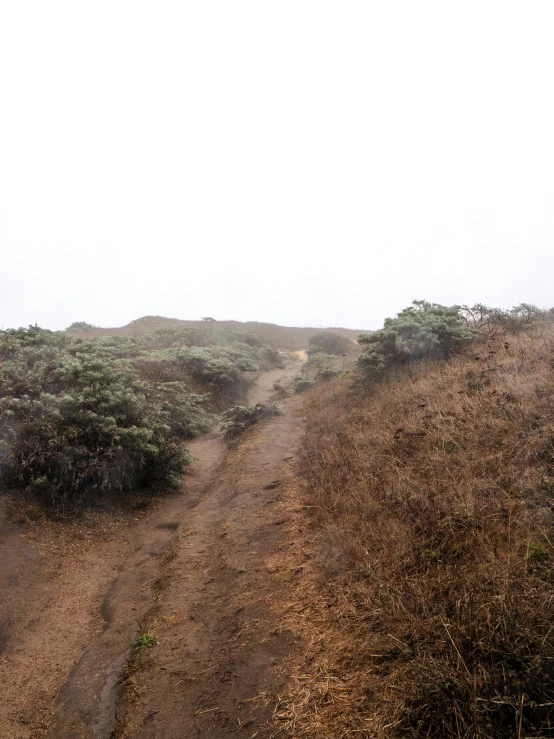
(432,508)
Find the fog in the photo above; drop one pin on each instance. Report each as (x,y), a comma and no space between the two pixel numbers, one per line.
(304,163)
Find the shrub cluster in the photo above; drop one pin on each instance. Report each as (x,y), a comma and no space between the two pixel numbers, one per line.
(328,342)
(320,366)
(302,382)
(213,359)
(76,420)
(422,331)
(239,418)
(432,331)
(324,366)
(83,416)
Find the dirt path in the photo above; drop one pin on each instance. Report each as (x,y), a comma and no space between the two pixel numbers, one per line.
(201,558)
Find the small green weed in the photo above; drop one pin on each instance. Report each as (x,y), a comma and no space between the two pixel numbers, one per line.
(536,551)
(145,640)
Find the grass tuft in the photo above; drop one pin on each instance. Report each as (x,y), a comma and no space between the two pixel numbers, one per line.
(145,640)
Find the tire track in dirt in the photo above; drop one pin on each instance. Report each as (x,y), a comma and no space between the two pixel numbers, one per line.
(87,703)
(218,616)
(52,580)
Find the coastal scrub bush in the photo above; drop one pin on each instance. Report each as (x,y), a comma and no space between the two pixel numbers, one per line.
(215,360)
(75,423)
(302,382)
(422,331)
(324,365)
(328,342)
(239,418)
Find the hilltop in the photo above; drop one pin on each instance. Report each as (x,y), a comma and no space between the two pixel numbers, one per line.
(291,338)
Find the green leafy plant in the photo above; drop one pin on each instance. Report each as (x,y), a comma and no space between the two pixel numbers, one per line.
(146,640)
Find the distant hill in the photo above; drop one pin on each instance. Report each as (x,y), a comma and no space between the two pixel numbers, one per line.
(291,338)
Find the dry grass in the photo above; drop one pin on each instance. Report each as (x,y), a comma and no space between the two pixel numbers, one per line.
(432,503)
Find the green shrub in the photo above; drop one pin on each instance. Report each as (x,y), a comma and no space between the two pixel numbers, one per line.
(324,365)
(74,423)
(239,418)
(213,358)
(80,326)
(82,416)
(422,331)
(302,382)
(328,342)
(327,372)
(182,411)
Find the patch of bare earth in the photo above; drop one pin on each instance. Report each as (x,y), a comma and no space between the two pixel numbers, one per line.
(200,569)
(219,613)
(53,579)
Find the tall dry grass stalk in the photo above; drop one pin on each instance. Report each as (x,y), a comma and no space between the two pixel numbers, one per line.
(432,498)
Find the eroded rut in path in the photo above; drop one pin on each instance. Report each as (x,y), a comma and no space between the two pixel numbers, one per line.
(198,570)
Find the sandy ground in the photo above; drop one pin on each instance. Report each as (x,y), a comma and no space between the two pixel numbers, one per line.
(198,570)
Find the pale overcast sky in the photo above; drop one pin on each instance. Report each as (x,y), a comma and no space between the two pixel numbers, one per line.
(301,162)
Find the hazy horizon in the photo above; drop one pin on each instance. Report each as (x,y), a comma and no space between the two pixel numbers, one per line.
(306,164)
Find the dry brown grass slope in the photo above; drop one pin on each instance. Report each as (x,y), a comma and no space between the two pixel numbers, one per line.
(431,501)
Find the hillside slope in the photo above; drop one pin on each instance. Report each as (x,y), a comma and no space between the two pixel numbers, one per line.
(291,338)
(431,598)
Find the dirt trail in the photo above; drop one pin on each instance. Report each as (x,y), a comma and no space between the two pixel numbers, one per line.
(72,610)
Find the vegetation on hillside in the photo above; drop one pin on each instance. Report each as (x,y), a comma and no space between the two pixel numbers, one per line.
(289,338)
(433,496)
(328,342)
(238,419)
(80,326)
(422,331)
(326,353)
(79,418)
